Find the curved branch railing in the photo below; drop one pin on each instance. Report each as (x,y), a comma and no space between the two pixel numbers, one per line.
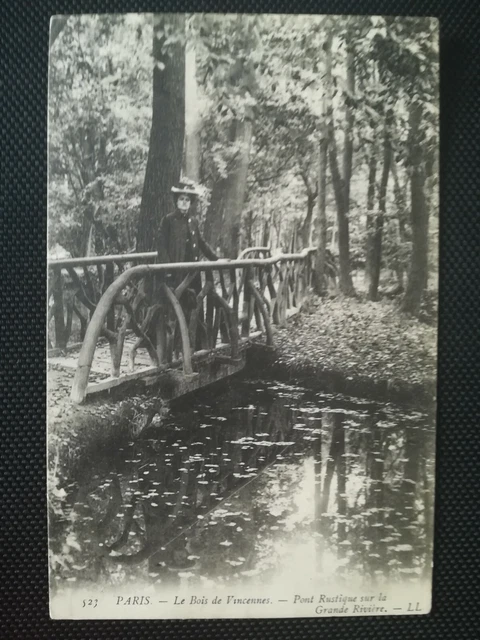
(270,289)
(76,285)
(258,252)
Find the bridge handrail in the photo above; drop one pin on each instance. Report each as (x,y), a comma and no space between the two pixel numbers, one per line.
(105,303)
(88,288)
(133,257)
(94,260)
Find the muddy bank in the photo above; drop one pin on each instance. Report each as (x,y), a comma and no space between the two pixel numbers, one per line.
(354,347)
(314,376)
(79,433)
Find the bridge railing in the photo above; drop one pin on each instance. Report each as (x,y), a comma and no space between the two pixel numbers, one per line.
(75,285)
(181,311)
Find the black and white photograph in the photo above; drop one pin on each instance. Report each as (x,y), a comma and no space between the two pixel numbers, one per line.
(242,276)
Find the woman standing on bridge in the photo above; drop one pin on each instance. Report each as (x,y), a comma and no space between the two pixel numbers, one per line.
(179,238)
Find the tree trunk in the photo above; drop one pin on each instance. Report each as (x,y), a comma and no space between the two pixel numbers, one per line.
(265,234)
(213,217)
(223,219)
(417,276)
(401,203)
(372,177)
(375,256)
(234,190)
(401,206)
(168,127)
(320,280)
(248,230)
(346,284)
(341,185)
(193,120)
(349,124)
(306,229)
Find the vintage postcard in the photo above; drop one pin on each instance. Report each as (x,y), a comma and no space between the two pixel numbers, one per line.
(242,315)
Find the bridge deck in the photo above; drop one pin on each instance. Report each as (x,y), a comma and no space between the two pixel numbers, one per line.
(100,378)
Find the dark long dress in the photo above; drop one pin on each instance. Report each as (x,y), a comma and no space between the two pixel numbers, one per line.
(179,240)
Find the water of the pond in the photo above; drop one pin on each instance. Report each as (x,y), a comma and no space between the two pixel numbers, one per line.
(258,481)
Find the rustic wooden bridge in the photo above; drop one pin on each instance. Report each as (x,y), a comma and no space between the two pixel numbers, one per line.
(124,318)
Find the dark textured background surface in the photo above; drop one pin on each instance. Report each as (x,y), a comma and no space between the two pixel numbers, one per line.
(23,142)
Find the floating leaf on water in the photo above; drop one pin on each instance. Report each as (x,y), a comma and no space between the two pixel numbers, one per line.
(403,547)
(410,570)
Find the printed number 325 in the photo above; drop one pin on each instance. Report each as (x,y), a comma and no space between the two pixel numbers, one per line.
(90,603)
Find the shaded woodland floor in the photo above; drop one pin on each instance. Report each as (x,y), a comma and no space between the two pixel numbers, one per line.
(360,341)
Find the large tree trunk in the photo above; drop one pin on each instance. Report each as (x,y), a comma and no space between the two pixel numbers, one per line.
(222,224)
(223,221)
(193,120)
(375,255)
(418,273)
(168,127)
(213,217)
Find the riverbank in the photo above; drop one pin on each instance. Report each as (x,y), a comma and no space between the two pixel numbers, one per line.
(357,347)
(354,347)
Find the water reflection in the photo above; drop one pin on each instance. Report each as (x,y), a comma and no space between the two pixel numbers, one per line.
(261,481)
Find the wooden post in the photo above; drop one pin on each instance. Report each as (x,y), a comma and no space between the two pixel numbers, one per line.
(58,310)
(161,336)
(259,304)
(108,279)
(247,304)
(182,323)
(210,311)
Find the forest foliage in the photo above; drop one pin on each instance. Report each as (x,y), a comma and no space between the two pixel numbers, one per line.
(299,131)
